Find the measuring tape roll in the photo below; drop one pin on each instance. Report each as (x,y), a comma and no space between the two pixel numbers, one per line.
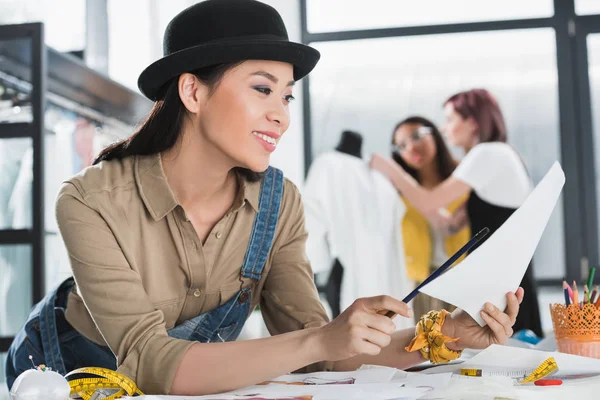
(546,368)
(86,381)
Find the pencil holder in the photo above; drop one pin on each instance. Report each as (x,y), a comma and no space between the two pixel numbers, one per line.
(577,329)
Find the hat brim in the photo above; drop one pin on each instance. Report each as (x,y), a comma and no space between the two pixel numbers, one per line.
(302,57)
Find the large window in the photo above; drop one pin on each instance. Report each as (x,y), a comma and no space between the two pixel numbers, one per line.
(370,85)
(593,43)
(15,287)
(345,15)
(16,164)
(384,60)
(135,34)
(586,7)
(64,20)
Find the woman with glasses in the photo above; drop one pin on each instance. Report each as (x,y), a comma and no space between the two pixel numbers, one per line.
(418,147)
(492,174)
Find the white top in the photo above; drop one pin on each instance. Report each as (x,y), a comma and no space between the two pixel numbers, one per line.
(496,173)
(353,213)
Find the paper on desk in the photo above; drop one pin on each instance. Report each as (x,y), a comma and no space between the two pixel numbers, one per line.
(379,391)
(369,382)
(371,391)
(498,265)
(367,374)
(476,388)
(419,380)
(510,358)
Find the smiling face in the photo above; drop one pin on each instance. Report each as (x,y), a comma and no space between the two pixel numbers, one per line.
(415,144)
(248,112)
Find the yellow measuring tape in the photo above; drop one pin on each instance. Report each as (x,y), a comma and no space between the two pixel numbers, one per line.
(546,368)
(102,379)
(543,370)
(471,372)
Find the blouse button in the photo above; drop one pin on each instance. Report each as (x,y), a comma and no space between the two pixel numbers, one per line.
(197,293)
(219,235)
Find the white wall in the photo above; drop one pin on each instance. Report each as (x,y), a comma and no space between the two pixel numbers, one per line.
(59,35)
(136,29)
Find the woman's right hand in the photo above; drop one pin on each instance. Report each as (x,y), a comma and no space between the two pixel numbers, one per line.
(362,328)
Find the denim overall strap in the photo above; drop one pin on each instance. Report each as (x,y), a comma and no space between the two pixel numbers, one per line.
(225,322)
(265,222)
(48,329)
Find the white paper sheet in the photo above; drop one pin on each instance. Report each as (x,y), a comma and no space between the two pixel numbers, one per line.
(498,265)
(369,382)
(371,391)
(383,391)
(510,358)
(418,380)
(369,374)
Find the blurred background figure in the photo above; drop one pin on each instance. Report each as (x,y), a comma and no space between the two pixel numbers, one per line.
(492,174)
(418,147)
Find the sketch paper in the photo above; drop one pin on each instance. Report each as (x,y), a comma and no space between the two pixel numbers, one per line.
(499,264)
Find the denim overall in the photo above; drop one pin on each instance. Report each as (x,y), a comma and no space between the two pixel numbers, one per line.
(51,340)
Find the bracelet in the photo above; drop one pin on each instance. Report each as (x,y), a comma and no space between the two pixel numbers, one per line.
(430,340)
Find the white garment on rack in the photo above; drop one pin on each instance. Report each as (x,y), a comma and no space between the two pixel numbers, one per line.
(354,214)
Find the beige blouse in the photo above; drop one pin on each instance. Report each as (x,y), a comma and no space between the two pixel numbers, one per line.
(140,268)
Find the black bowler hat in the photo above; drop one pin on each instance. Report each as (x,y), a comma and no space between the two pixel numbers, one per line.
(222,31)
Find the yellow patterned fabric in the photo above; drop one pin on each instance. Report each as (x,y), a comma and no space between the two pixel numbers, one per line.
(418,244)
(430,341)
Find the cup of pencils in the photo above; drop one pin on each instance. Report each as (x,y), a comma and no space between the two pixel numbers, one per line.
(577,322)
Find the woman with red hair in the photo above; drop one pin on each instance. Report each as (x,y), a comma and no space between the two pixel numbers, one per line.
(491,173)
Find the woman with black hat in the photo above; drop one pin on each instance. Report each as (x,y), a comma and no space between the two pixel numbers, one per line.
(177,233)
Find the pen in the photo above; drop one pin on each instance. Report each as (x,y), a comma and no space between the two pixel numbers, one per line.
(567,298)
(474,240)
(569,289)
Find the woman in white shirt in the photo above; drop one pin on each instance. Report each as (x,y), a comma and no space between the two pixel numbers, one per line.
(492,173)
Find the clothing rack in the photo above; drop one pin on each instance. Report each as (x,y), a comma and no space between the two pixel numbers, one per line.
(66,104)
(63,80)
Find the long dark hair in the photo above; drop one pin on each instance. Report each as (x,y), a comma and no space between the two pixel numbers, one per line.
(444,161)
(161,128)
(483,107)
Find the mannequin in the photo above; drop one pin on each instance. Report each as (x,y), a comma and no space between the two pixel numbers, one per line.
(350,143)
(352,217)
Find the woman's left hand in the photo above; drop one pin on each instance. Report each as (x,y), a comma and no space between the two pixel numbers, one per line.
(498,328)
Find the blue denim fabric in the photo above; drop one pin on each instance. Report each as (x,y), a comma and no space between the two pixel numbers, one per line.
(51,340)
